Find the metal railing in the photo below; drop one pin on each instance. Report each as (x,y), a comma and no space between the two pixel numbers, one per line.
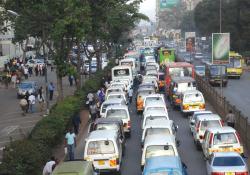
(222,107)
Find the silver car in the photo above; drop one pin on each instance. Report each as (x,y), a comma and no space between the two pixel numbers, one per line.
(228,163)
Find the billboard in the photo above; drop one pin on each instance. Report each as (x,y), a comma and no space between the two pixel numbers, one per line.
(220,48)
(190,41)
(164,4)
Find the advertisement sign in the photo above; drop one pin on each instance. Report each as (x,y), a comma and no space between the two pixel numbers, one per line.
(190,41)
(168,3)
(220,48)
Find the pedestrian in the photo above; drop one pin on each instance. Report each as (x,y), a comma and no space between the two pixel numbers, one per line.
(24,105)
(139,103)
(76,122)
(90,98)
(71,78)
(36,70)
(130,95)
(32,102)
(25,72)
(30,70)
(40,69)
(14,79)
(70,143)
(49,166)
(43,70)
(51,90)
(101,95)
(27,99)
(230,119)
(41,99)
(93,111)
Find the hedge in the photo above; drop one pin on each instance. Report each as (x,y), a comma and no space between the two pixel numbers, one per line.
(28,156)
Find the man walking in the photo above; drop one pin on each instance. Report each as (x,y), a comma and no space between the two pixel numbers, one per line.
(230,119)
(70,143)
(130,95)
(49,166)
(93,110)
(41,99)
(51,88)
(32,102)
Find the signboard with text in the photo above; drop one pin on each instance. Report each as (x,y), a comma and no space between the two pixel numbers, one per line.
(164,4)
(220,48)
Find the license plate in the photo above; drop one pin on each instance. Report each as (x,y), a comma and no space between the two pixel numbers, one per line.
(193,107)
(226,149)
(229,173)
(101,162)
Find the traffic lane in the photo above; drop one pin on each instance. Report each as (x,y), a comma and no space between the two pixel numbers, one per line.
(132,159)
(187,149)
(237,93)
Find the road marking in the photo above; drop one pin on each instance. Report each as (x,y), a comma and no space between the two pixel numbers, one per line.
(9,129)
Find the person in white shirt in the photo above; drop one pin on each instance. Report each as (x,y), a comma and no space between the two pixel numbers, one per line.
(32,102)
(25,71)
(49,166)
(130,95)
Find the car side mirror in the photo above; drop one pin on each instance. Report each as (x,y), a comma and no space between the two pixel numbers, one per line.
(176,128)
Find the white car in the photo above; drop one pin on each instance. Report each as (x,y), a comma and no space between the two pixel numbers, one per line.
(34,62)
(193,118)
(110,102)
(154,99)
(153,114)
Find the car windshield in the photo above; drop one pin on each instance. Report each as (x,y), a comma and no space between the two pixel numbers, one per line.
(155,131)
(25,85)
(150,100)
(180,71)
(209,123)
(114,90)
(168,172)
(155,109)
(225,138)
(127,63)
(193,98)
(218,70)
(148,119)
(200,68)
(104,106)
(117,113)
(101,147)
(115,96)
(234,63)
(121,72)
(107,126)
(228,161)
(160,150)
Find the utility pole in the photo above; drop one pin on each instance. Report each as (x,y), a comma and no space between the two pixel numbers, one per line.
(221,71)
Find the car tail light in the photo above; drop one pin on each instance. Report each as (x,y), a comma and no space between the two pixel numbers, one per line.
(178,101)
(198,126)
(217,173)
(201,137)
(238,136)
(202,106)
(211,139)
(241,173)
(113,163)
(129,124)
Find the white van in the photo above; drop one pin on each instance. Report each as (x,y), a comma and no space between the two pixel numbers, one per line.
(120,73)
(114,95)
(104,149)
(158,126)
(221,139)
(114,89)
(158,145)
(158,107)
(153,114)
(154,99)
(120,112)
(129,62)
(110,102)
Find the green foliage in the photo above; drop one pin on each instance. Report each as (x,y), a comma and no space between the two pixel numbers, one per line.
(235,20)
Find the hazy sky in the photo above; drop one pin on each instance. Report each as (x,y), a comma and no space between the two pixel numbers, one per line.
(148,8)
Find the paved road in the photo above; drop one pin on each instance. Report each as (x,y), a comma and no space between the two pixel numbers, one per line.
(237,91)
(131,161)
(13,125)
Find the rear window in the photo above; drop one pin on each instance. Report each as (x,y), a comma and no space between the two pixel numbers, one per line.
(107,127)
(104,106)
(159,150)
(153,100)
(117,113)
(114,90)
(115,96)
(193,98)
(101,147)
(228,161)
(209,124)
(146,92)
(225,138)
(156,109)
(153,131)
(148,119)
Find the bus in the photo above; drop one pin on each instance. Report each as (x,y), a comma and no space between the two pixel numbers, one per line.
(166,55)
(177,69)
(216,74)
(234,68)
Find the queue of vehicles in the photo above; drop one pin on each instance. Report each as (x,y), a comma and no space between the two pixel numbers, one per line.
(105,144)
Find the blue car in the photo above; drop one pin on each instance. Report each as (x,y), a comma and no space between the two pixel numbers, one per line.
(164,165)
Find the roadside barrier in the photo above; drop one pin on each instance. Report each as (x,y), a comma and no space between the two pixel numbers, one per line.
(222,107)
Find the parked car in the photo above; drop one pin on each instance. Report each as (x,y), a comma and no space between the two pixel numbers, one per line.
(227,164)
(27,86)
